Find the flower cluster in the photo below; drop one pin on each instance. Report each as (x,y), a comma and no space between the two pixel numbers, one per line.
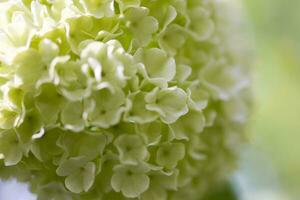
(119,99)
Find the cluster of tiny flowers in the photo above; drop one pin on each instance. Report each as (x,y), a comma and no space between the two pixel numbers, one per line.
(119,99)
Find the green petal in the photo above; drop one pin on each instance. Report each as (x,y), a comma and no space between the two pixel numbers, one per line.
(49,102)
(99,9)
(8,118)
(10,147)
(27,62)
(48,50)
(131,149)
(197,97)
(182,72)
(71,116)
(125,4)
(31,125)
(45,148)
(15,96)
(169,154)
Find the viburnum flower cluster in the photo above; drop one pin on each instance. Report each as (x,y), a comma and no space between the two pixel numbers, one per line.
(119,99)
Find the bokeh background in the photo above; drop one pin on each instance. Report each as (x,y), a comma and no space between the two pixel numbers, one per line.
(270,165)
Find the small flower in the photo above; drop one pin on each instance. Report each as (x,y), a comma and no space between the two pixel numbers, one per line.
(131,180)
(140,24)
(70,78)
(138,112)
(172,39)
(105,107)
(191,123)
(223,83)
(80,175)
(110,64)
(170,103)
(169,154)
(201,26)
(159,70)
(131,149)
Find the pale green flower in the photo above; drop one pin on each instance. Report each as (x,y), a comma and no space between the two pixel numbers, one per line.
(159,70)
(70,78)
(189,124)
(138,112)
(201,26)
(170,103)
(109,62)
(172,39)
(223,83)
(79,174)
(120,99)
(140,24)
(131,149)
(131,180)
(169,154)
(105,107)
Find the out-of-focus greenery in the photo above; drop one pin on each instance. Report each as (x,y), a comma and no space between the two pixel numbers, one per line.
(276,121)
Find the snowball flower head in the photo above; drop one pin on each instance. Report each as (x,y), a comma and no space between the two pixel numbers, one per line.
(120,99)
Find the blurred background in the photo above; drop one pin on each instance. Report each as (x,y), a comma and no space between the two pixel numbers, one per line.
(270,166)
